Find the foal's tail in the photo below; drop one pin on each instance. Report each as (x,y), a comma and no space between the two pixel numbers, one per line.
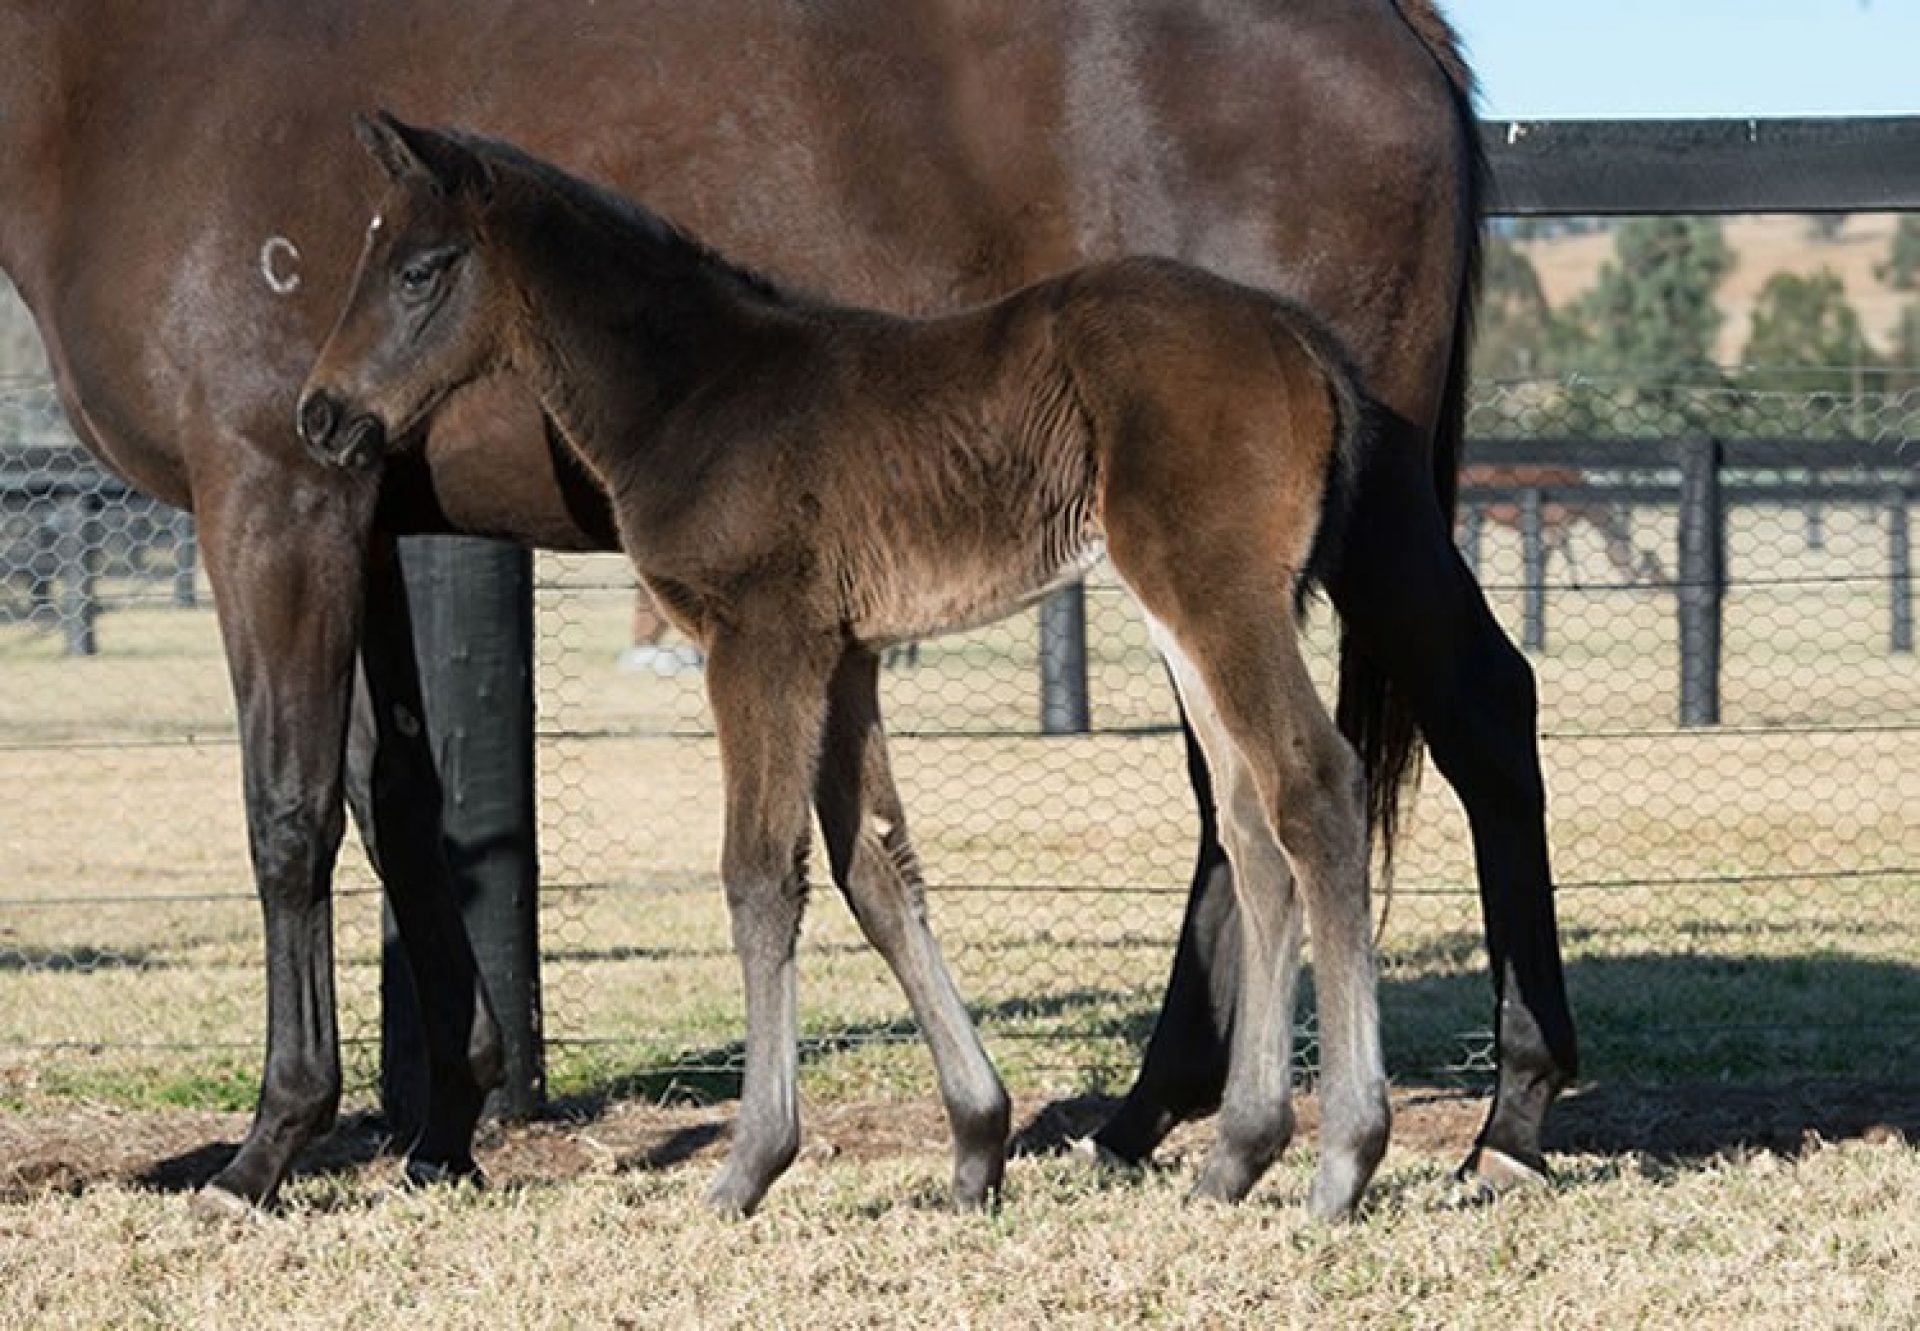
(1374,715)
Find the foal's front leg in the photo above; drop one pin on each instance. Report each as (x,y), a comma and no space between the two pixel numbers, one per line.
(873,862)
(768,692)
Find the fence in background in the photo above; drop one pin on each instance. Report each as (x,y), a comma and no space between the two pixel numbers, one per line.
(1737,897)
(1740,883)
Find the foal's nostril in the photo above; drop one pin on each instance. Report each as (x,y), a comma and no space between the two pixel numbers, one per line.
(319,417)
(365,442)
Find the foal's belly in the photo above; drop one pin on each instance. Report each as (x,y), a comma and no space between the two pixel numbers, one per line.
(929,592)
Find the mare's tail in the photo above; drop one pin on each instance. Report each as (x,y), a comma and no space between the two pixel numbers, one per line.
(1374,715)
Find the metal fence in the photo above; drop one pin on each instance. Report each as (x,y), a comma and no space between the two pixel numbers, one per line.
(1712,578)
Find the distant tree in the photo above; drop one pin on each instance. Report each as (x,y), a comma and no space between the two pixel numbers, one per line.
(1805,325)
(1652,307)
(1515,320)
(1903,358)
(1901,271)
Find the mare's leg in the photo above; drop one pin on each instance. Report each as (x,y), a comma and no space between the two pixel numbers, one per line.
(873,862)
(285,549)
(1410,602)
(1184,1071)
(768,692)
(395,793)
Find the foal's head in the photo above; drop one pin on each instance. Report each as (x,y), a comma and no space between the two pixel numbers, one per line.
(423,316)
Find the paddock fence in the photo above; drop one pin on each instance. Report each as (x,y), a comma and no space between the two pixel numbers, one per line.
(1712,577)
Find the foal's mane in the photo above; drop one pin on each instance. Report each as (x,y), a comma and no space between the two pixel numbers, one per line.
(622,218)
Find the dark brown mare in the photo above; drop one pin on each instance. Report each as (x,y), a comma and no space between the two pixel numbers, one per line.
(802,485)
(179,209)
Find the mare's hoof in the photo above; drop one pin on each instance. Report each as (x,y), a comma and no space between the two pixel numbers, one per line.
(214,1205)
(1088,1152)
(1496,1173)
(423,1174)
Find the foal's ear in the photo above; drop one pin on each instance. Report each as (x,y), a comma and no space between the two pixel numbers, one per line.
(408,152)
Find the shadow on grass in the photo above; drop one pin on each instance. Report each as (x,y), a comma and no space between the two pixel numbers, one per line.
(357,1140)
(1685,1056)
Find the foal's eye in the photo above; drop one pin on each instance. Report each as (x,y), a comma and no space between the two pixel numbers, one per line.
(417,276)
(420,276)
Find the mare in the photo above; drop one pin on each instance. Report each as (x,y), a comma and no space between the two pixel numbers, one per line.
(802,485)
(185,241)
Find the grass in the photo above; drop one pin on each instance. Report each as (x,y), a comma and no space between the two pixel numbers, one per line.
(1823,1238)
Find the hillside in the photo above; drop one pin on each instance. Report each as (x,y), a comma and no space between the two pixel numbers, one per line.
(1761,247)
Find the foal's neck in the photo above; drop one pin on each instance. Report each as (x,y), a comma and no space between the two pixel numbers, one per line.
(623,318)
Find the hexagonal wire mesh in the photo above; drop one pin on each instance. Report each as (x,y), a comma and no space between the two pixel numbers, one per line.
(1738,896)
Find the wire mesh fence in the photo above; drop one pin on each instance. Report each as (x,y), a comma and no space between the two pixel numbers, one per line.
(1739,893)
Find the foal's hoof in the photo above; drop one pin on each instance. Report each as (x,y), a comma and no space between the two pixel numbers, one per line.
(1227,1177)
(1496,1173)
(733,1196)
(977,1184)
(215,1205)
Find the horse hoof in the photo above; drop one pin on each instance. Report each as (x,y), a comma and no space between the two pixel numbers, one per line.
(1497,1173)
(977,1184)
(1088,1151)
(422,1174)
(733,1198)
(1225,1178)
(214,1205)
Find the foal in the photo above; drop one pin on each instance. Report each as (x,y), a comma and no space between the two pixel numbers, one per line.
(801,484)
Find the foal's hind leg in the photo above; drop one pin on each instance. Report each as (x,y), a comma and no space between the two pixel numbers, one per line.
(1290,801)
(769,703)
(1256,1109)
(874,864)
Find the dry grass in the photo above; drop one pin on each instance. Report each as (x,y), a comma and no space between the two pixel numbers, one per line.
(1823,1237)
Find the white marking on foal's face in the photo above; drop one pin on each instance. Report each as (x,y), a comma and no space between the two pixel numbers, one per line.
(280,265)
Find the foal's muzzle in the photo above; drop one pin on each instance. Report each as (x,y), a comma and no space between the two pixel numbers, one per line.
(355,442)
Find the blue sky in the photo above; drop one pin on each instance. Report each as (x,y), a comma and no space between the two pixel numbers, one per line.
(1599,58)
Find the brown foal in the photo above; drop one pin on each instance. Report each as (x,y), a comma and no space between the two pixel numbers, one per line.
(801,484)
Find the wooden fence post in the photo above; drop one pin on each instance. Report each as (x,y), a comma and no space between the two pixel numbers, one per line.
(77,551)
(186,554)
(1899,573)
(472,603)
(1702,580)
(1533,555)
(1064,708)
